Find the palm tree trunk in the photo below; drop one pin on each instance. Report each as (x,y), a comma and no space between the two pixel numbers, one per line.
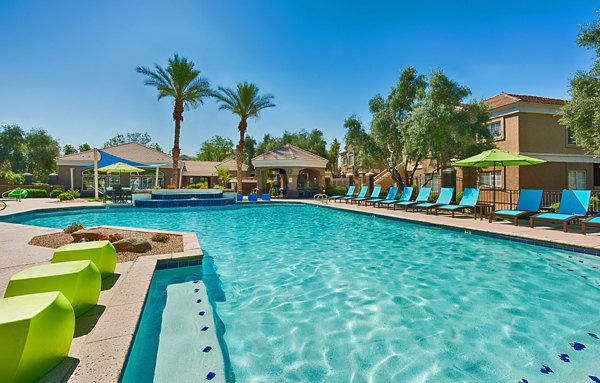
(178,117)
(239,154)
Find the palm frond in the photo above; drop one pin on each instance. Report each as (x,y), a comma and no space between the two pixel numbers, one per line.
(244,100)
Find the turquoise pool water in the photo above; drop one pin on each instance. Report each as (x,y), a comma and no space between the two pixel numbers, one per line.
(317,295)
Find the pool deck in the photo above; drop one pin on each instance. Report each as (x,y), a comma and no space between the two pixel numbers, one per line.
(104,334)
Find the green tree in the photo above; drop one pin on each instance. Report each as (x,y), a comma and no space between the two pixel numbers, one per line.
(312,141)
(581,114)
(217,148)
(183,83)
(332,155)
(69,149)
(223,175)
(13,148)
(42,149)
(246,103)
(142,138)
(84,148)
(249,151)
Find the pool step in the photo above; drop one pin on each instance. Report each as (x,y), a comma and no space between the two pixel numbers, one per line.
(188,348)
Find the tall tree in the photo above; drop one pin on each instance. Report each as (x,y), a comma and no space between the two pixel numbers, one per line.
(581,114)
(312,141)
(333,156)
(84,147)
(142,138)
(42,149)
(69,149)
(246,103)
(183,83)
(217,148)
(13,148)
(249,151)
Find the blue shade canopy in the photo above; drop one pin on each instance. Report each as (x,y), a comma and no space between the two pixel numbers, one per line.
(107,159)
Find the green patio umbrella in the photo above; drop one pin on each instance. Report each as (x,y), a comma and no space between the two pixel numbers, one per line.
(495,157)
(120,167)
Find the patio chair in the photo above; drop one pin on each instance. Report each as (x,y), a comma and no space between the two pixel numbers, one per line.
(592,221)
(468,201)
(405,196)
(349,193)
(573,205)
(423,196)
(390,196)
(363,192)
(444,198)
(528,204)
(374,194)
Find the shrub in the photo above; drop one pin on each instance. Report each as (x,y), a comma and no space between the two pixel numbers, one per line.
(160,237)
(55,193)
(12,178)
(459,196)
(198,185)
(433,196)
(171,186)
(37,193)
(73,227)
(69,195)
(114,237)
(554,207)
(41,184)
(335,190)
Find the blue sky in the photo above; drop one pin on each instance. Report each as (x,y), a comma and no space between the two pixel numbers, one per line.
(69,66)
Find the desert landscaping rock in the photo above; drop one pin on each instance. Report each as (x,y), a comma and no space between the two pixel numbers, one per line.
(85,233)
(133,245)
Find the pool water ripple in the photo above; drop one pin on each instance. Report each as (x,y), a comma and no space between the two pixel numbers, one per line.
(316,295)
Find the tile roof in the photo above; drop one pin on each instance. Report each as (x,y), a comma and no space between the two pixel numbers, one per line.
(504,99)
(288,152)
(132,151)
(208,168)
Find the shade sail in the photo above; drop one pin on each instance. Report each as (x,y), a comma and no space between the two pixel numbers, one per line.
(109,159)
(120,167)
(497,157)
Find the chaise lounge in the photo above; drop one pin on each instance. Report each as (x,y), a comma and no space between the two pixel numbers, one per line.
(405,196)
(374,194)
(361,194)
(444,198)
(349,193)
(528,204)
(422,197)
(592,221)
(468,201)
(573,206)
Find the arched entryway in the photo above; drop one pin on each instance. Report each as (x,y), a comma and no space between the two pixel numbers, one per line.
(309,183)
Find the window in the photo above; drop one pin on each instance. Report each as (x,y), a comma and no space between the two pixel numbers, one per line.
(486,180)
(434,182)
(495,129)
(597,175)
(570,137)
(350,159)
(87,180)
(577,179)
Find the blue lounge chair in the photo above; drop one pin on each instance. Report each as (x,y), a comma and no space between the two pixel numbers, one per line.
(405,196)
(349,193)
(361,194)
(422,197)
(573,205)
(374,194)
(443,199)
(593,221)
(528,204)
(468,201)
(390,196)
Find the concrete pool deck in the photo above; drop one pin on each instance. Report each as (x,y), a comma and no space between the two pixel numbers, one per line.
(104,335)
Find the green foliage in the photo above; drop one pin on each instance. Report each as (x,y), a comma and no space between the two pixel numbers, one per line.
(459,196)
(55,193)
(249,151)
(37,193)
(142,138)
(84,148)
(73,227)
(12,178)
(13,148)
(42,149)
(554,207)
(581,114)
(69,149)
(160,237)
(333,156)
(69,195)
(422,118)
(198,185)
(224,175)
(433,196)
(312,141)
(336,190)
(217,148)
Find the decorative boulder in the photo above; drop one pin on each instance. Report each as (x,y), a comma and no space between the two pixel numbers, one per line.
(84,233)
(133,245)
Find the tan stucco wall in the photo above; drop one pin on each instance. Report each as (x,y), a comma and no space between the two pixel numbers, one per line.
(542,133)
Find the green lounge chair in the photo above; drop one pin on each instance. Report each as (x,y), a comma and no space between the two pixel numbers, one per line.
(422,197)
(573,205)
(102,253)
(444,198)
(405,196)
(528,204)
(36,331)
(374,194)
(361,194)
(390,196)
(593,221)
(349,193)
(17,194)
(468,201)
(78,281)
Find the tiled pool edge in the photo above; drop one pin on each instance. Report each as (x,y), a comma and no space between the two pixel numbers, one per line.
(381,213)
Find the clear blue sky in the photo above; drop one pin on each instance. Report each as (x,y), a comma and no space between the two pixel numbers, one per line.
(69,66)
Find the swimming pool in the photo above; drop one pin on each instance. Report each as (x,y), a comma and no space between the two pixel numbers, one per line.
(315,294)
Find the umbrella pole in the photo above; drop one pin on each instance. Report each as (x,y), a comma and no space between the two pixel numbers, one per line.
(95,174)
(494,187)
(156,178)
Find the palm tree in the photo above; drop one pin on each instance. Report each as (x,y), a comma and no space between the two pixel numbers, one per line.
(246,103)
(183,83)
